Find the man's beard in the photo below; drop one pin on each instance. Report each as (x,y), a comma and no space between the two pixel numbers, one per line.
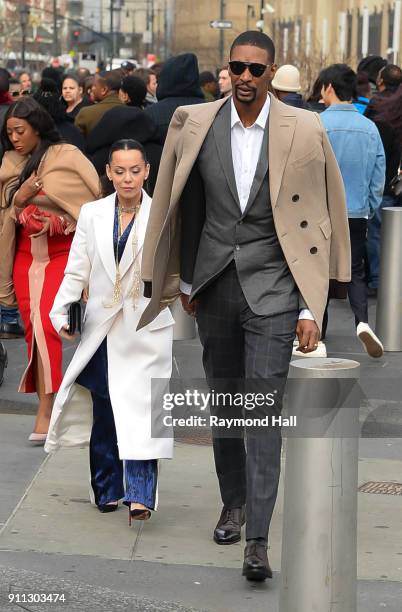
(249,100)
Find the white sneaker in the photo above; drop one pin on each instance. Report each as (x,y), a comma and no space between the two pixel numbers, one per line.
(370,341)
(320,351)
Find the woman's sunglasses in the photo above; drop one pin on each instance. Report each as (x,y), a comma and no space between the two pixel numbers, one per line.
(255,69)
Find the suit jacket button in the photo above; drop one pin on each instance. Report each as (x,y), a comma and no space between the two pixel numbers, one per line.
(313,250)
(303,224)
(296,197)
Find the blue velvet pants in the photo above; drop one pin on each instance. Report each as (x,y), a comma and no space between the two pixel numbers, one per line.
(108,475)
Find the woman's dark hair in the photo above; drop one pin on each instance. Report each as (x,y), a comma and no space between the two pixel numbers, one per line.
(363,85)
(315,95)
(47,95)
(127,144)
(389,110)
(136,90)
(74,77)
(39,119)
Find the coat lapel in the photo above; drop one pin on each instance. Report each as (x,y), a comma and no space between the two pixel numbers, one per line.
(222,133)
(104,235)
(128,256)
(190,142)
(282,125)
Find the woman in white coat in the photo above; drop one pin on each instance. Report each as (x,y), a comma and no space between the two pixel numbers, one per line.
(105,398)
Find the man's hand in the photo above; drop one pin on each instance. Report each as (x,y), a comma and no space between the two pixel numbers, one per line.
(189,308)
(308,335)
(64,334)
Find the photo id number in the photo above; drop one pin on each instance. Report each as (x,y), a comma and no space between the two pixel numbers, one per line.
(36,597)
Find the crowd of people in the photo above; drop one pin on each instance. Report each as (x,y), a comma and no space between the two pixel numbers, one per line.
(83,155)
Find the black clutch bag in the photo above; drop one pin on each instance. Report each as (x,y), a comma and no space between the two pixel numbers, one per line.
(74,318)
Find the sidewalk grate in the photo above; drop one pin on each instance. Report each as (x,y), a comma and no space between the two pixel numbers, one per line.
(381,488)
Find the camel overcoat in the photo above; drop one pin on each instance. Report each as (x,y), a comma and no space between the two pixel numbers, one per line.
(307,197)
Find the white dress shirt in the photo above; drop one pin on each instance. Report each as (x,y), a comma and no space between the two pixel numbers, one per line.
(246,148)
(246,143)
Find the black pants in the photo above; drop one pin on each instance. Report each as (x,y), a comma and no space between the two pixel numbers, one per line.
(357,288)
(239,345)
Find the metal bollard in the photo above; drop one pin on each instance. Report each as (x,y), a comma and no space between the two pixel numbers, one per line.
(389,303)
(319,542)
(185,325)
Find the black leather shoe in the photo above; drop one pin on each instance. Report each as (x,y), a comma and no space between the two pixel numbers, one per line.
(256,566)
(3,361)
(9,331)
(228,529)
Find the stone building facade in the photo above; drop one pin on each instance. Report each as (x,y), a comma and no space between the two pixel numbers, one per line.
(313,32)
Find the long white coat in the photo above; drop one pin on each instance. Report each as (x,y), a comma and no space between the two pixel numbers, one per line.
(134,357)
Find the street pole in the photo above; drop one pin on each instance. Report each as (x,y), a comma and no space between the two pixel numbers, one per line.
(111,8)
(262,15)
(24,18)
(221,33)
(319,542)
(165,29)
(55,37)
(389,321)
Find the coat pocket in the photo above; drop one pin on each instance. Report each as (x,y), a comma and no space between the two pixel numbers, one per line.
(305,159)
(164,319)
(326,227)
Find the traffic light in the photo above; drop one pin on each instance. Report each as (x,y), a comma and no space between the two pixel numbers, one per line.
(76,34)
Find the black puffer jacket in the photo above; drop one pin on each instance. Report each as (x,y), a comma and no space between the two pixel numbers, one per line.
(124,122)
(178,86)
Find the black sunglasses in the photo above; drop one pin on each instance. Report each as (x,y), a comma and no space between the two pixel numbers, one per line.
(255,69)
(16,94)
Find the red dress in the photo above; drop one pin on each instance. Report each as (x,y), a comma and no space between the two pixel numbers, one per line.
(39,266)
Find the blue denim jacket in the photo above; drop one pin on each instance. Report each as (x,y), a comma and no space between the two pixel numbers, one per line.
(358,149)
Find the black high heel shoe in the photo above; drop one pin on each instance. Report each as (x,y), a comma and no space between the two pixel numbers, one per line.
(138,514)
(105,508)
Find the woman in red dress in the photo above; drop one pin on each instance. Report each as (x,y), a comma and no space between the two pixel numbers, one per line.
(44,182)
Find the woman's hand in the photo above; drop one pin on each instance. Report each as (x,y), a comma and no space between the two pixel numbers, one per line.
(70,224)
(45,223)
(64,334)
(28,190)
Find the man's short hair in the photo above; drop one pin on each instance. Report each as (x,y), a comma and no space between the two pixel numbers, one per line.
(391,76)
(206,77)
(112,79)
(144,74)
(256,39)
(343,80)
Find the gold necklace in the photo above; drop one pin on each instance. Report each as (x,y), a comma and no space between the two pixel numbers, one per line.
(116,299)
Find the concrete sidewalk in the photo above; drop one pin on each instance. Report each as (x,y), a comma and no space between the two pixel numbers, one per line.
(52,540)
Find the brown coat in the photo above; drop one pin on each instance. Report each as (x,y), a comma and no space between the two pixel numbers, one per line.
(89,116)
(69,180)
(305,185)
